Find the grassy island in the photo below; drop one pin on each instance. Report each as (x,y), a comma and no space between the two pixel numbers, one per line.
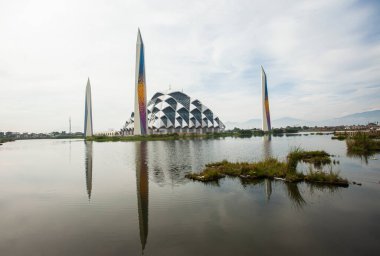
(272,168)
(362,144)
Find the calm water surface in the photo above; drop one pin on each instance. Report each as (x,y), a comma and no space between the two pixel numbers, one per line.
(68,197)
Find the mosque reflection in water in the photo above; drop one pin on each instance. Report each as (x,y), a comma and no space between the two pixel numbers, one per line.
(88,165)
(292,189)
(169,162)
(142,185)
(267,149)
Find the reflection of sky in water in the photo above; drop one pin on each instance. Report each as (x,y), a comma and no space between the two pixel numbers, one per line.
(45,187)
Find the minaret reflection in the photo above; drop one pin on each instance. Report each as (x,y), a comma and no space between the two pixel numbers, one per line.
(88,164)
(267,152)
(267,146)
(142,185)
(268,188)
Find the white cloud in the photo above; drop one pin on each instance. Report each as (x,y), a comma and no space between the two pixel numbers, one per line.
(322,58)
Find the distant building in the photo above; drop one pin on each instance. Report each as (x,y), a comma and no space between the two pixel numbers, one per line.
(176,112)
(88,131)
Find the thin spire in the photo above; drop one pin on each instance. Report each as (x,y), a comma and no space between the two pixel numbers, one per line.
(139,38)
(88,83)
(88,111)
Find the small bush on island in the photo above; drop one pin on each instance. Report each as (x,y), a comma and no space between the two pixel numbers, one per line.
(273,168)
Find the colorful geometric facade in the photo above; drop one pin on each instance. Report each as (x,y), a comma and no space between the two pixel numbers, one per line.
(265,102)
(88,111)
(176,112)
(140,126)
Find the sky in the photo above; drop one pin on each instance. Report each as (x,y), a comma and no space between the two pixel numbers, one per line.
(322,58)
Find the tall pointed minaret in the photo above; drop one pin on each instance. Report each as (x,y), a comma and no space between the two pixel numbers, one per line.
(265,102)
(140,114)
(88,111)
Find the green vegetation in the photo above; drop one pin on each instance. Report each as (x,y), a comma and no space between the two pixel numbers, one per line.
(272,168)
(245,133)
(276,131)
(135,138)
(3,140)
(288,131)
(362,144)
(268,168)
(317,158)
(339,137)
(154,137)
(236,132)
(319,176)
(175,136)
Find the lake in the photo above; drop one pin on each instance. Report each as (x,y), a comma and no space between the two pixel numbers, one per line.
(70,197)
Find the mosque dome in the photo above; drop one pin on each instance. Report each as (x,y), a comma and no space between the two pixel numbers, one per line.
(176,110)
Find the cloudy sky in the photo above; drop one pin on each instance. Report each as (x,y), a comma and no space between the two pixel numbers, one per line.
(322,58)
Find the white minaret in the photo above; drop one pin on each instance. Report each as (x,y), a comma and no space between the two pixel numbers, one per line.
(88,111)
(140,114)
(265,102)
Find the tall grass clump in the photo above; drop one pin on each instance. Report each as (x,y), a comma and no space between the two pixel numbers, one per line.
(362,144)
(317,158)
(271,168)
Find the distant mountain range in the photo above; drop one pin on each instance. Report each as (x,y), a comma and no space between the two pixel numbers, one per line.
(358,118)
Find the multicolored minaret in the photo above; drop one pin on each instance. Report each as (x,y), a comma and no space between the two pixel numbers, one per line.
(88,111)
(265,100)
(140,114)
